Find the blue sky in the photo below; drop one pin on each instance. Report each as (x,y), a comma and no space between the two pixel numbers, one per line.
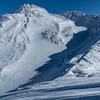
(53,6)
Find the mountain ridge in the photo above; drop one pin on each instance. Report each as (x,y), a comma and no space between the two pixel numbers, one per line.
(81,19)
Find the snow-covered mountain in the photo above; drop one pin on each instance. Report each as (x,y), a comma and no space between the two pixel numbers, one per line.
(37,46)
(81,19)
(27,38)
(87,58)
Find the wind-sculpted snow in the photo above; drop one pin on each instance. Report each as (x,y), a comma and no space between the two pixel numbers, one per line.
(52,51)
(60,89)
(88,65)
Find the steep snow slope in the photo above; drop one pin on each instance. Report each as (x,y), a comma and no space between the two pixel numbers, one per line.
(85,58)
(88,63)
(28,38)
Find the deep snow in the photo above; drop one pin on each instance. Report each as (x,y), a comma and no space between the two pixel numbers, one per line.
(50,50)
(24,45)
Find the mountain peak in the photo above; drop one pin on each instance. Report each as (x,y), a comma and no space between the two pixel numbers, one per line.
(81,19)
(26,8)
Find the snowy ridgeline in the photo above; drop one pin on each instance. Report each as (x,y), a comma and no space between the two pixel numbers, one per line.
(82,19)
(35,43)
(86,57)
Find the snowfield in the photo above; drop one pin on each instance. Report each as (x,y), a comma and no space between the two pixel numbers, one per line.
(65,88)
(47,57)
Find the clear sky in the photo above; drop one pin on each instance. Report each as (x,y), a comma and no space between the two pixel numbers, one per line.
(53,6)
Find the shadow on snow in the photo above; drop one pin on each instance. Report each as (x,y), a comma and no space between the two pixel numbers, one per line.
(80,44)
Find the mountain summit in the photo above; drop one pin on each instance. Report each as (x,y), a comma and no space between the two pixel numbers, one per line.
(27,8)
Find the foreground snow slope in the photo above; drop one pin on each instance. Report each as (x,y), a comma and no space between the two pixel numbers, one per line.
(63,88)
(28,38)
